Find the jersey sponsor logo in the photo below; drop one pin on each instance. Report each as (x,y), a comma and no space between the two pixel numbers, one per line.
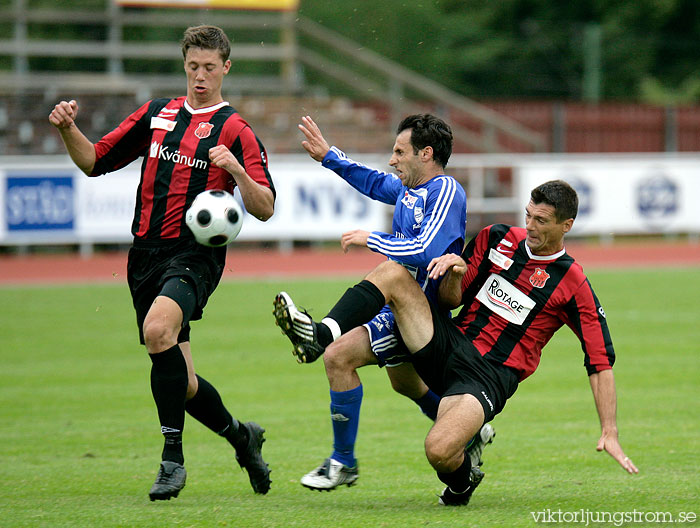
(163,124)
(409,200)
(499,259)
(168,111)
(504,299)
(539,278)
(159,151)
(203,130)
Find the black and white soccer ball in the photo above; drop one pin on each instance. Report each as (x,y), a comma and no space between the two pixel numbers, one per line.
(215,218)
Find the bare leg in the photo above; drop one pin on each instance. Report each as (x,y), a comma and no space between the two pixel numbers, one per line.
(459,418)
(346,354)
(162,325)
(161,328)
(407,301)
(192,384)
(406,381)
(169,382)
(342,359)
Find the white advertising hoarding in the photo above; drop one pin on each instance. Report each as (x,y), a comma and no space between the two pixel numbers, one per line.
(314,203)
(105,205)
(47,200)
(626,194)
(54,202)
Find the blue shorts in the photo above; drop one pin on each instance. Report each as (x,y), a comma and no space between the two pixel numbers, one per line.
(385,339)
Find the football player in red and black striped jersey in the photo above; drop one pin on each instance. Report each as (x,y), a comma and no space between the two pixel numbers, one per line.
(189,144)
(517,287)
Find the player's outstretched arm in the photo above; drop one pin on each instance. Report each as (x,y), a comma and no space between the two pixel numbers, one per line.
(315,144)
(80,148)
(356,237)
(603,387)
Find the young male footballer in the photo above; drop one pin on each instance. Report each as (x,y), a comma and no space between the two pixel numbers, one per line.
(189,144)
(517,287)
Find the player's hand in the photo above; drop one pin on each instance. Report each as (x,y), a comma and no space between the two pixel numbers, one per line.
(315,145)
(356,237)
(444,263)
(221,157)
(64,114)
(609,442)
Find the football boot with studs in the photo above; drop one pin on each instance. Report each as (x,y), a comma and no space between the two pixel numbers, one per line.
(330,475)
(169,481)
(452,498)
(476,447)
(250,458)
(298,326)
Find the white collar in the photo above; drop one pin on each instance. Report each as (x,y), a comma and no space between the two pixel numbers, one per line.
(544,257)
(204,110)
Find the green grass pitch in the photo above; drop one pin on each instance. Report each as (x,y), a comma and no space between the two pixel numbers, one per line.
(80,442)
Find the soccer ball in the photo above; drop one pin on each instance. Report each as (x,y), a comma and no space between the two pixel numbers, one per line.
(215,218)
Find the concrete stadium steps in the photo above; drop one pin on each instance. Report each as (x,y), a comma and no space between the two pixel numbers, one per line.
(25,130)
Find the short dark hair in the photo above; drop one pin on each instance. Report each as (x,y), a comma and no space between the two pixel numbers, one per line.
(206,37)
(559,195)
(428,130)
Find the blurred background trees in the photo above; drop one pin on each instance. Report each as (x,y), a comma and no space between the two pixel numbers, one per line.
(631,50)
(592,50)
(588,76)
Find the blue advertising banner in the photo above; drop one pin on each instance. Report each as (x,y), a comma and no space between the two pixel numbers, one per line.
(39,203)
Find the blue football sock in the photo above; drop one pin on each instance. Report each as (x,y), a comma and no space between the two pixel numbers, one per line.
(429,404)
(345,415)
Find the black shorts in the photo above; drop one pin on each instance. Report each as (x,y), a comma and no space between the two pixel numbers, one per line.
(150,265)
(450,364)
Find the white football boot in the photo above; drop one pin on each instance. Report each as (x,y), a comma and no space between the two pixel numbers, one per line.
(330,475)
(298,326)
(476,448)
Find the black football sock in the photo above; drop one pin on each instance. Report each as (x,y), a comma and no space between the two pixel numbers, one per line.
(459,479)
(237,436)
(172,448)
(206,407)
(325,336)
(169,388)
(356,307)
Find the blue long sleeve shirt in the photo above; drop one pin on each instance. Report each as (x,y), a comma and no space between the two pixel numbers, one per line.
(429,220)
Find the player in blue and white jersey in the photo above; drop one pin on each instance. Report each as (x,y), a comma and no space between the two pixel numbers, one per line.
(429,220)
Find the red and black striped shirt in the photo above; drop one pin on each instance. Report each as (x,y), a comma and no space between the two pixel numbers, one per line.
(174,140)
(514,301)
